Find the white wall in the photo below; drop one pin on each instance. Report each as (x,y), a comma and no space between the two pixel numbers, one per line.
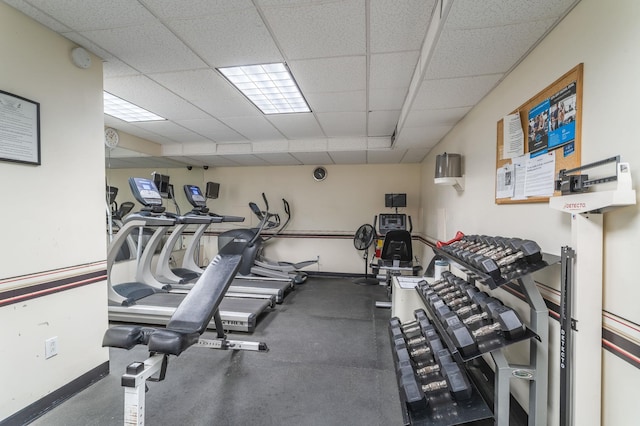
(52,216)
(350,196)
(605,37)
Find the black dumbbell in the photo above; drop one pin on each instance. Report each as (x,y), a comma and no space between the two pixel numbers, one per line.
(453,379)
(489,307)
(500,246)
(528,250)
(442,356)
(506,322)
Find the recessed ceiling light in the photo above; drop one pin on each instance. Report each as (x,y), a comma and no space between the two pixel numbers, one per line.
(270,87)
(127,111)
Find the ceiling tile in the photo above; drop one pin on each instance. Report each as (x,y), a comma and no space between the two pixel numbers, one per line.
(171,130)
(415,155)
(337,124)
(331,75)
(421,137)
(494,13)
(172,9)
(148,47)
(145,93)
(454,92)
(382,123)
(399,25)
(320,29)
(392,70)
(234,38)
(483,50)
(435,117)
(348,157)
(312,158)
(279,158)
(246,160)
(337,101)
(212,129)
(387,99)
(83,15)
(385,156)
(254,128)
(296,126)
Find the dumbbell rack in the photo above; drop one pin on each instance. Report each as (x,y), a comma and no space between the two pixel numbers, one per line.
(536,371)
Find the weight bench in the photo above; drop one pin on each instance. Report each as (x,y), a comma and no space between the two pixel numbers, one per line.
(183,330)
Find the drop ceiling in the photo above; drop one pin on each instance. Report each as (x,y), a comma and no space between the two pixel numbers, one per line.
(386,80)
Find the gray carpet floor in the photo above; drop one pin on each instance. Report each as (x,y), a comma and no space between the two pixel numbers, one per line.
(329,363)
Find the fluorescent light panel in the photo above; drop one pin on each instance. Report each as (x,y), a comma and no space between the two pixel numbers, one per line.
(127,111)
(269,86)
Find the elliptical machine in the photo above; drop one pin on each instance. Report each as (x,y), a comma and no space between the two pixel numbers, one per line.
(253,263)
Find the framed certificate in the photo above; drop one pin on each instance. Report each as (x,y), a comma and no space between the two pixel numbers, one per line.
(19,129)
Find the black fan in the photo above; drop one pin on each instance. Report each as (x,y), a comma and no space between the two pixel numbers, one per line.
(362,240)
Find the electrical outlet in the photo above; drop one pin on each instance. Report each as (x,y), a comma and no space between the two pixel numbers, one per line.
(51,347)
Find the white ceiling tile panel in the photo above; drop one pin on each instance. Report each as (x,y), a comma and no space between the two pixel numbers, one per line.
(311,158)
(399,25)
(483,50)
(319,29)
(296,126)
(437,117)
(234,148)
(40,16)
(421,137)
(382,123)
(116,68)
(336,124)
(83,15)
(387,99)
(415,155)
(308,145)
(392,70)
(337,101)
(246,160)
(379,143)
(493,13)
(234,38)
(392,156)
(171,130)
(331,74)
(348,157)
(280,158)
(145,93)
(149,47)
(454,92)
(253,127)
(171,9)
(233,107)
(271,146)
(346,144)
(213,160)
(212,129)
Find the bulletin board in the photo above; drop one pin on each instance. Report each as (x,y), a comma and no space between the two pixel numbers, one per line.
(551,124)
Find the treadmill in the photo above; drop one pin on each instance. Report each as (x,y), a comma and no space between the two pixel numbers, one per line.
(182,278)
(140,302)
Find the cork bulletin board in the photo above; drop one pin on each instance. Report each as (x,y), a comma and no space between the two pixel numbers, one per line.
(551,123)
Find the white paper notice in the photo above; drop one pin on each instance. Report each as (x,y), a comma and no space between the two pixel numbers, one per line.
(520,174)
(513,136)
(540,175)
(505,182)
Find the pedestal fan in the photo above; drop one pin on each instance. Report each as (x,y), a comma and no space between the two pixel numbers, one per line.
(362,240)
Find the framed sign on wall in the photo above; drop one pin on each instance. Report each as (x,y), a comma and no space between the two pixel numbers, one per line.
(19,129)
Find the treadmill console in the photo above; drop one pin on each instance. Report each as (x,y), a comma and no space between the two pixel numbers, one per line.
(194,196)
(392,222)
(145,192)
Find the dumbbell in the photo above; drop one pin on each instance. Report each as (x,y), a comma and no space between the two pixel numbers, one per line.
(412,328)
(489,307)
(527,249)
(506,247)
(489,243)
(506,322)
(453,379)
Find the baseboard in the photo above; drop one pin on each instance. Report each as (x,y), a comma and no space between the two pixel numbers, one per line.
(57,397)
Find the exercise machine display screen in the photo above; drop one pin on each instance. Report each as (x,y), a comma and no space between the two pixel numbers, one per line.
(162,184)
(395,200)
(392,222)
(213,190)
(194,196)
(145,191)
